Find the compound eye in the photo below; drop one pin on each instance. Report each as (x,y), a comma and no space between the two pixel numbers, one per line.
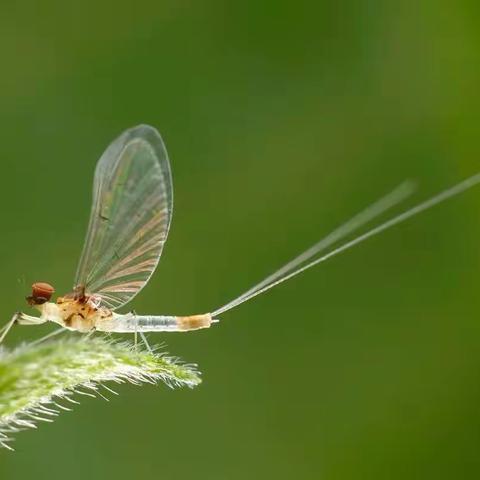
(41,292)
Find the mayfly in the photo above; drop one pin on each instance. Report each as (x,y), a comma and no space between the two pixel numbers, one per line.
(129,223)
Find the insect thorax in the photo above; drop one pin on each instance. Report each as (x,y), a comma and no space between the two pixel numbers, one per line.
(74,314)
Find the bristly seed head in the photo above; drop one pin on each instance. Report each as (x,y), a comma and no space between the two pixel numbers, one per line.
(37,380)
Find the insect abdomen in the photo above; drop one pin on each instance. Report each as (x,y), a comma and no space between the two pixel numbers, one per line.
(154,323)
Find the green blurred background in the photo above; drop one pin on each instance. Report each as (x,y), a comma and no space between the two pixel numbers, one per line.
(282,119)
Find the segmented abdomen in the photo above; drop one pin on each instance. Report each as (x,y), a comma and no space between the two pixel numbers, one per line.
(131,323)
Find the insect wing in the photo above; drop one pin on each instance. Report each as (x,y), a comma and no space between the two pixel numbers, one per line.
(130,217)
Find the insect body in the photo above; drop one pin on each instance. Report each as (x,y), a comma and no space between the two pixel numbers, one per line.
(129,223)
(86,313)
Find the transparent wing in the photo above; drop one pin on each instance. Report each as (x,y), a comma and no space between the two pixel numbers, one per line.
(130,217)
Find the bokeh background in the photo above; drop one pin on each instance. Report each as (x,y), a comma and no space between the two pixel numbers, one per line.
(282,120)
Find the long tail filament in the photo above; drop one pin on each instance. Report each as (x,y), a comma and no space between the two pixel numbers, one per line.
(297,266)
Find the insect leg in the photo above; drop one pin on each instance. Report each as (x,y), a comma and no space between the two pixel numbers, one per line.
(48,336)
(89,334)
(8,326)
(145,341)
(21,319)
(24,319)
(135,336)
